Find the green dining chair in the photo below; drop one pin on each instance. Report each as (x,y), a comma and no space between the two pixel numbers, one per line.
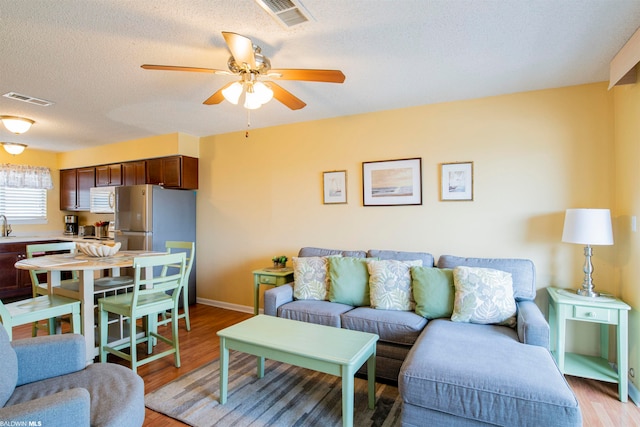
(40,287)
(189,248)
(153,293)
(45,307)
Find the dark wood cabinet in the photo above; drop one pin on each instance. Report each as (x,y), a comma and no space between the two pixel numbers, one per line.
(173,172)
(109,175)
(14,283)
(74,188)
(134,173)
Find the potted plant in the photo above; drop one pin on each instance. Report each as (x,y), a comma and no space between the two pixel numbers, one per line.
(279,261)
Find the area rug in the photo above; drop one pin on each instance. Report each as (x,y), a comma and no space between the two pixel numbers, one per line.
(286,396)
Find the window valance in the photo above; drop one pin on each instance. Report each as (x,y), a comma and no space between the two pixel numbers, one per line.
(23,176)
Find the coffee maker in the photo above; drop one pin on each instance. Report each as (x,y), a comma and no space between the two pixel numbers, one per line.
(70,225)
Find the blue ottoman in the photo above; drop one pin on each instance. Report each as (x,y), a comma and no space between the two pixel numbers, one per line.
(466,374)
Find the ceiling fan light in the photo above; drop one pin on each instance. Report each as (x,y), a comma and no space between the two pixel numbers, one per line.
(13,147)
(263,92)
(16,125)
(233,92)
(252,101)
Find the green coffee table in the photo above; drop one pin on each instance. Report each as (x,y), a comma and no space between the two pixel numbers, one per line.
(334,351)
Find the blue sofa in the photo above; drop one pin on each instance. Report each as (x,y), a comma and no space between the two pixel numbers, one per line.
(454,373)
(44,381)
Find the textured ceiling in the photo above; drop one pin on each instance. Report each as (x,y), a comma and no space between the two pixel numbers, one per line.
(85,56)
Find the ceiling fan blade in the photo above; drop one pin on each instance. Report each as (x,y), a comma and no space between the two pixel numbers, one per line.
(241,48)
(176,68)
(286,97)
(327,76)
(217,97)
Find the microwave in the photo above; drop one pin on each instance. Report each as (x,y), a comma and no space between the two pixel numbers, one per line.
(102,199)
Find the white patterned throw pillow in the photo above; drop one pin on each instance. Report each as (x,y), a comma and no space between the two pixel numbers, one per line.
(483,295)
(311,280)
(390,284)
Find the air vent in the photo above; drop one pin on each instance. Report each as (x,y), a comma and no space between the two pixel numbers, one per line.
(29,99)
(286,12)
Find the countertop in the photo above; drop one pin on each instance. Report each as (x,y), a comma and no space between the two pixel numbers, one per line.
(46,237)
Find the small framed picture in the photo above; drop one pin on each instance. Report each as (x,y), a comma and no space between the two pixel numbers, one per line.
(392,182)
(335,187)
(457,181)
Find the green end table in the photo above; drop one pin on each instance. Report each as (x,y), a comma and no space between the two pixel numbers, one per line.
(565,305)
(271,277)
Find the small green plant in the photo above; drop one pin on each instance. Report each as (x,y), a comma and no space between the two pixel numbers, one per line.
(281,259)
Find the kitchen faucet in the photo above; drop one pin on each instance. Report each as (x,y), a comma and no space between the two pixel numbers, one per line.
(6,228)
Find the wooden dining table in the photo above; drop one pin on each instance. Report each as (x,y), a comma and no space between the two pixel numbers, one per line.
(86,266)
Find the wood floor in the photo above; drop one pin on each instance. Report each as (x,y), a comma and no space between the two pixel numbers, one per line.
(598,400)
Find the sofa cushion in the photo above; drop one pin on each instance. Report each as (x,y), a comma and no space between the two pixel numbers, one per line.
(8,367)
(483,295)
(398,327)
(319,312)
(311,251)
(522,271)
(390,284)
(483,373)
(427,258)
(349,278)
(433,291)
(121,394)
(311,279)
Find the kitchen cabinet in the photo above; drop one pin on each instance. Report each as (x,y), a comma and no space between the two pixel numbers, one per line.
(173,172)
(74,188)
(134,173)
(109,175)
(14,283)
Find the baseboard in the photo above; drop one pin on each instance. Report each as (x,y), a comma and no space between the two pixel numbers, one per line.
(634,394)
(226,305)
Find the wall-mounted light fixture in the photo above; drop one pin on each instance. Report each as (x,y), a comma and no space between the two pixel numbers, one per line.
(15,124)
(13,147)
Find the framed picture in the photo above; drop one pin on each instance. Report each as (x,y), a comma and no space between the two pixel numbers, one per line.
(457,181)
(392,182)
(335,187)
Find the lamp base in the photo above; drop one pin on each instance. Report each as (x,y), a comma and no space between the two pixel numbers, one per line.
(588,293)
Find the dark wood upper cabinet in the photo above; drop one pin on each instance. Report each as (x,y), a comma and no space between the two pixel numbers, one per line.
(134,173)
(74,188)
(173,172)
(109,175)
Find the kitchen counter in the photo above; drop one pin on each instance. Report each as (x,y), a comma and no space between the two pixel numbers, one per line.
(45,237)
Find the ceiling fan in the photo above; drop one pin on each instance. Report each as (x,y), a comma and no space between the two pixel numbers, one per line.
(248,62)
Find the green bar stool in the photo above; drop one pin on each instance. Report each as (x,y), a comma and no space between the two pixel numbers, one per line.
(189,248)
(40,308)
(149,298)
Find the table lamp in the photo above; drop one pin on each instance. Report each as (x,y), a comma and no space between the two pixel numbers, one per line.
(588,227)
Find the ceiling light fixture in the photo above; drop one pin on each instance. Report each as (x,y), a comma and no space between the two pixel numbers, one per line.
(15,124)
(256,93)
(13,147)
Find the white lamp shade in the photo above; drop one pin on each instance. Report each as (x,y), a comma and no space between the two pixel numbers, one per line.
(263,92)
(16,125)
(232,93)
(252,101)
(588,227)
(13,148)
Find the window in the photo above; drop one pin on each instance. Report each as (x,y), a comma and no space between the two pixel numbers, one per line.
(24,205)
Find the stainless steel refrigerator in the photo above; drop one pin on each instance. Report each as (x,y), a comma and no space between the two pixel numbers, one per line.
(146,216)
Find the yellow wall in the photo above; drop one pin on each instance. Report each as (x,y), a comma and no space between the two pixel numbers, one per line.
(535,154)
(46,159)
(627,190)
(154,146)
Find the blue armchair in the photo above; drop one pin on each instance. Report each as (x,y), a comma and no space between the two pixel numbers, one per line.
(44,380)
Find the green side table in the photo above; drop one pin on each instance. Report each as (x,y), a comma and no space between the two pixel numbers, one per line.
(565,305)
(271,277)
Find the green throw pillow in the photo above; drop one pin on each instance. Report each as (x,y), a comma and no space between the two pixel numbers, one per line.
(433,291)
(349,280)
